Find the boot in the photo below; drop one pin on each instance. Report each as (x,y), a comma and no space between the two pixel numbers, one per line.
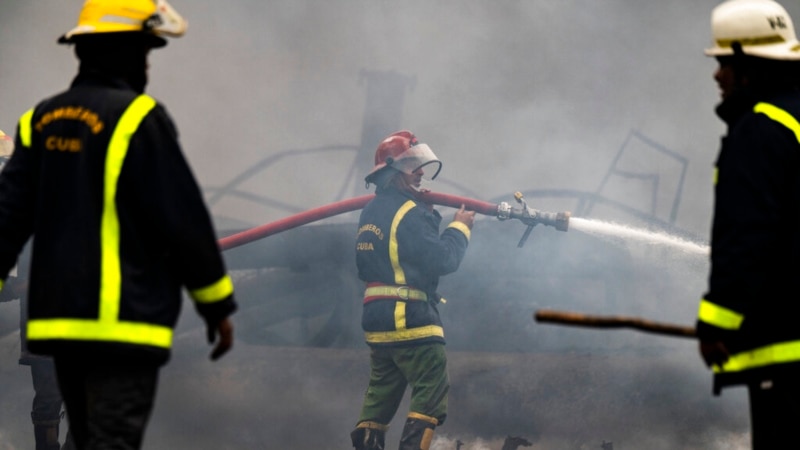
(46,436)
(369,436)
(418,432)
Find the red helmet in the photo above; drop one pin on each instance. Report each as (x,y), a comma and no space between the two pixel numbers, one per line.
(401,151)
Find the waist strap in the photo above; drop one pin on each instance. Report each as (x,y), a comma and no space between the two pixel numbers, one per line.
(376,291)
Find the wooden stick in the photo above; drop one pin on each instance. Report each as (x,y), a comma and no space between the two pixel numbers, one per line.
(584,320)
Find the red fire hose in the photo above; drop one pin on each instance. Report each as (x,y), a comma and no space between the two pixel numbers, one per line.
(344,206)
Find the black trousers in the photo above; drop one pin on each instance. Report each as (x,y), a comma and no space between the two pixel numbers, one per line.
(774,414)
(46,407)
(108,405)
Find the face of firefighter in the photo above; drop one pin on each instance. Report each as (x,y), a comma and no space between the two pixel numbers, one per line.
(726,77)
(410,181)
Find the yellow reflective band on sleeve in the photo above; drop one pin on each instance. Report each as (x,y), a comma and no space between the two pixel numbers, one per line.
(214,292)
(400,315)
(92,330)
(383,337)
(394,256)
(460,227)
(26,128)
(783,352)
(111,272)
(715,176)
(779,115)
(2,284)
(718,316)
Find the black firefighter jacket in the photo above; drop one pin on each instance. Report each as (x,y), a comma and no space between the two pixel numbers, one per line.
(751,303)
(399,248)
(118,222)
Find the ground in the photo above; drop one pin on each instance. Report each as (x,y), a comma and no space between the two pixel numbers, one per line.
(654,396)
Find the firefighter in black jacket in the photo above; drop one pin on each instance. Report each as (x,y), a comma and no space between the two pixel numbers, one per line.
(400,254)
(119,227)
(748,319)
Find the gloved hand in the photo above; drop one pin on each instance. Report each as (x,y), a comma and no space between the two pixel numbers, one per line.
(714,353)
(225,331)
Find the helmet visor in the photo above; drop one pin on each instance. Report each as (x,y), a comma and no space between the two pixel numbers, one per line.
(418,157)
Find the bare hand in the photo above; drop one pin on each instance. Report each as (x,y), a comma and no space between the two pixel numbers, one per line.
(714,353)
(225,331)
(465,217)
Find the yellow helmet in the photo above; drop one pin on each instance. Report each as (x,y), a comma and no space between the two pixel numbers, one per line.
(762,28)
(115,16)
(6,145)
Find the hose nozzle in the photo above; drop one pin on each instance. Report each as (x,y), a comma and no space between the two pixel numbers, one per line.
(532,217)
(557,220)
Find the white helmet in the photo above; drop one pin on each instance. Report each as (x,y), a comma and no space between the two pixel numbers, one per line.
(762,28)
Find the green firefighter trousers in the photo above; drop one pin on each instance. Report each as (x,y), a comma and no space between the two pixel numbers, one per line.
(423,367)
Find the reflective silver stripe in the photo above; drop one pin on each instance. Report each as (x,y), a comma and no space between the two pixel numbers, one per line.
(401,292)
(408,334)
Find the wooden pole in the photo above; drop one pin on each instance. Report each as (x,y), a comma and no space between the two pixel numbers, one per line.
(584,320)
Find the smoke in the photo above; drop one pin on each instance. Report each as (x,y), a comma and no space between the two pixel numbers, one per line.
(604,109)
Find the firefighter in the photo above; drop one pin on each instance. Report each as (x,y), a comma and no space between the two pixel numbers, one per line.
(748,320)
(400,254)
(119,227)
(46,406)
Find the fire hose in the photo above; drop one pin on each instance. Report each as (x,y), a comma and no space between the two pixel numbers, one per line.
(502,210)
(584,320)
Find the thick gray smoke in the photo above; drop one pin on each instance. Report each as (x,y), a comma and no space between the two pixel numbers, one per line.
(602,108)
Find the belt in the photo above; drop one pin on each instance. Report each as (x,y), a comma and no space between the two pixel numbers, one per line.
(374,292)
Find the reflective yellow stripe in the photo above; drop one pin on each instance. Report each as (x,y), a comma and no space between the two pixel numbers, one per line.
(779,115)
(111,272)
(92,330)
(400,316)
(718,316)
(772,354)
(25,128)
(378,337)
(2,283)
(462,227)
(715,176)
(423,417)
(214,292)
(399,275)
(372,425)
